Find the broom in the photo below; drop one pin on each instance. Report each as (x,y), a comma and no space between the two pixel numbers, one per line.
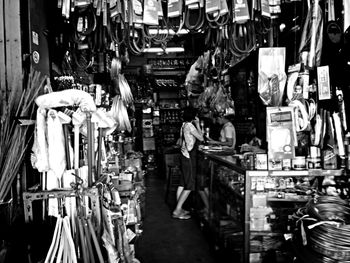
(14,139)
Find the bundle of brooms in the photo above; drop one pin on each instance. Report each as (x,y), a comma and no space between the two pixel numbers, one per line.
(14,138)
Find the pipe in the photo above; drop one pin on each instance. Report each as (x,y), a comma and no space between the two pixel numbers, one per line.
(90,147)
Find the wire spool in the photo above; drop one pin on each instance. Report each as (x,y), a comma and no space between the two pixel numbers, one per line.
(323,228)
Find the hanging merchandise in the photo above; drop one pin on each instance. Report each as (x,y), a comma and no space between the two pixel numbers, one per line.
(280,124)
(120,114)
(241,35)
(323,83)
(194,11)
(265,8)
(212,6)
(272,77)
(150,13)
(67,98)
(346,4)
(240,12)
(174,8)
(312,36)
(341,108)
(62,245)
(124,89)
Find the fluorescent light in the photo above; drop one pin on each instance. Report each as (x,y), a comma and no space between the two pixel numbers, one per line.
(154,31)
(161,50)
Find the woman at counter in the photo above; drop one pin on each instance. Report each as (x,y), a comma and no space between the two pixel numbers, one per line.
(189,135)
(227,134)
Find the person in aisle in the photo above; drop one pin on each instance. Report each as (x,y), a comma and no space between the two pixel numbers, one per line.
(227,133)
(190,134)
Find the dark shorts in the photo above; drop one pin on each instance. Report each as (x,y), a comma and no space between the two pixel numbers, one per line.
(188,168)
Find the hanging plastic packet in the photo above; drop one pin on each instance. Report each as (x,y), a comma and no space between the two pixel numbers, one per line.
(323,82)
(150,16)
(265,8)
(212,6)
(174,8)
(293,73)
(137,12)
(223,7)
(240,11)
(280,133)
(272,77)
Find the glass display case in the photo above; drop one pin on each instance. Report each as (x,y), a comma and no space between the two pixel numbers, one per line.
(251,210)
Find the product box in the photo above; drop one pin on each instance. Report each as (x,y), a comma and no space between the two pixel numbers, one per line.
(261,161)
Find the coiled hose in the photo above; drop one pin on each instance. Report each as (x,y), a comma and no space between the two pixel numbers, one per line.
(323,230)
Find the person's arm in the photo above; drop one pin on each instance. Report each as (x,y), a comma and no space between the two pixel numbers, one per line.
(229,139)
(197,132)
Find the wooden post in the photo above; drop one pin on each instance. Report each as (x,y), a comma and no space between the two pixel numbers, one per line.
(3,89)
(13,49)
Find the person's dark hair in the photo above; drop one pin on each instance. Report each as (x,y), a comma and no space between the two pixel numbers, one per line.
(189,114)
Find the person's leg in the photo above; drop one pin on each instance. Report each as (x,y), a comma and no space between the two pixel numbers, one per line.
(181,201)
(204,198)
(178,192)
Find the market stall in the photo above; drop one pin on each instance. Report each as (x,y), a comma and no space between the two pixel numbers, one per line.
(105,111)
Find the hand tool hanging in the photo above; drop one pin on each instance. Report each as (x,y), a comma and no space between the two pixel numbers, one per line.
(312,36)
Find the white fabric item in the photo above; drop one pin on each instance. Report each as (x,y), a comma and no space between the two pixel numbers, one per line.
(40,147)
(68,97)
(57,155)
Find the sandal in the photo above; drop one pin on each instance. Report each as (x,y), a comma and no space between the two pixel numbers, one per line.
(181,215)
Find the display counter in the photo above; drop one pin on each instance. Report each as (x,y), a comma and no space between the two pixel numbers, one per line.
(250,210)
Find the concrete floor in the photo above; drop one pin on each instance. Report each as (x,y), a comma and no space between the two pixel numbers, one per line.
(168,240)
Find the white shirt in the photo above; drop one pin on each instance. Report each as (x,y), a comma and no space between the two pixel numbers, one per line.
(228,131)
(188,139)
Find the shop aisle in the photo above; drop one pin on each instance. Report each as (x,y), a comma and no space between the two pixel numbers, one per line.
(168,240)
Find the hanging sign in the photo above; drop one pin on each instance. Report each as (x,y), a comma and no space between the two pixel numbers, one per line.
(150,16)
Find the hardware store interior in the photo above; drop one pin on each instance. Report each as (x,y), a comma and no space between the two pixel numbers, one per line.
(174,131)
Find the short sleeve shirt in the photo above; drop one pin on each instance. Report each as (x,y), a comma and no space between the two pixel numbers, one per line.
(228,132)
(189,140)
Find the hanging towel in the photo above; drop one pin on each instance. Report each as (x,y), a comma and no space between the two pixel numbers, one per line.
(40,147)
(57,158)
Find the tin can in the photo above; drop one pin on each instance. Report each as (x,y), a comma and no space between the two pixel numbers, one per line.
(299,163)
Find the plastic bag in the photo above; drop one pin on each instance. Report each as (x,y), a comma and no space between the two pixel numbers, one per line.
(272,77)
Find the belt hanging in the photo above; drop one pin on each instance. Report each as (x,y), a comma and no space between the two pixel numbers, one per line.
(198,23)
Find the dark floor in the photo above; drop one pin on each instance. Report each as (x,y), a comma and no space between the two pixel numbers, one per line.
(168,240)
